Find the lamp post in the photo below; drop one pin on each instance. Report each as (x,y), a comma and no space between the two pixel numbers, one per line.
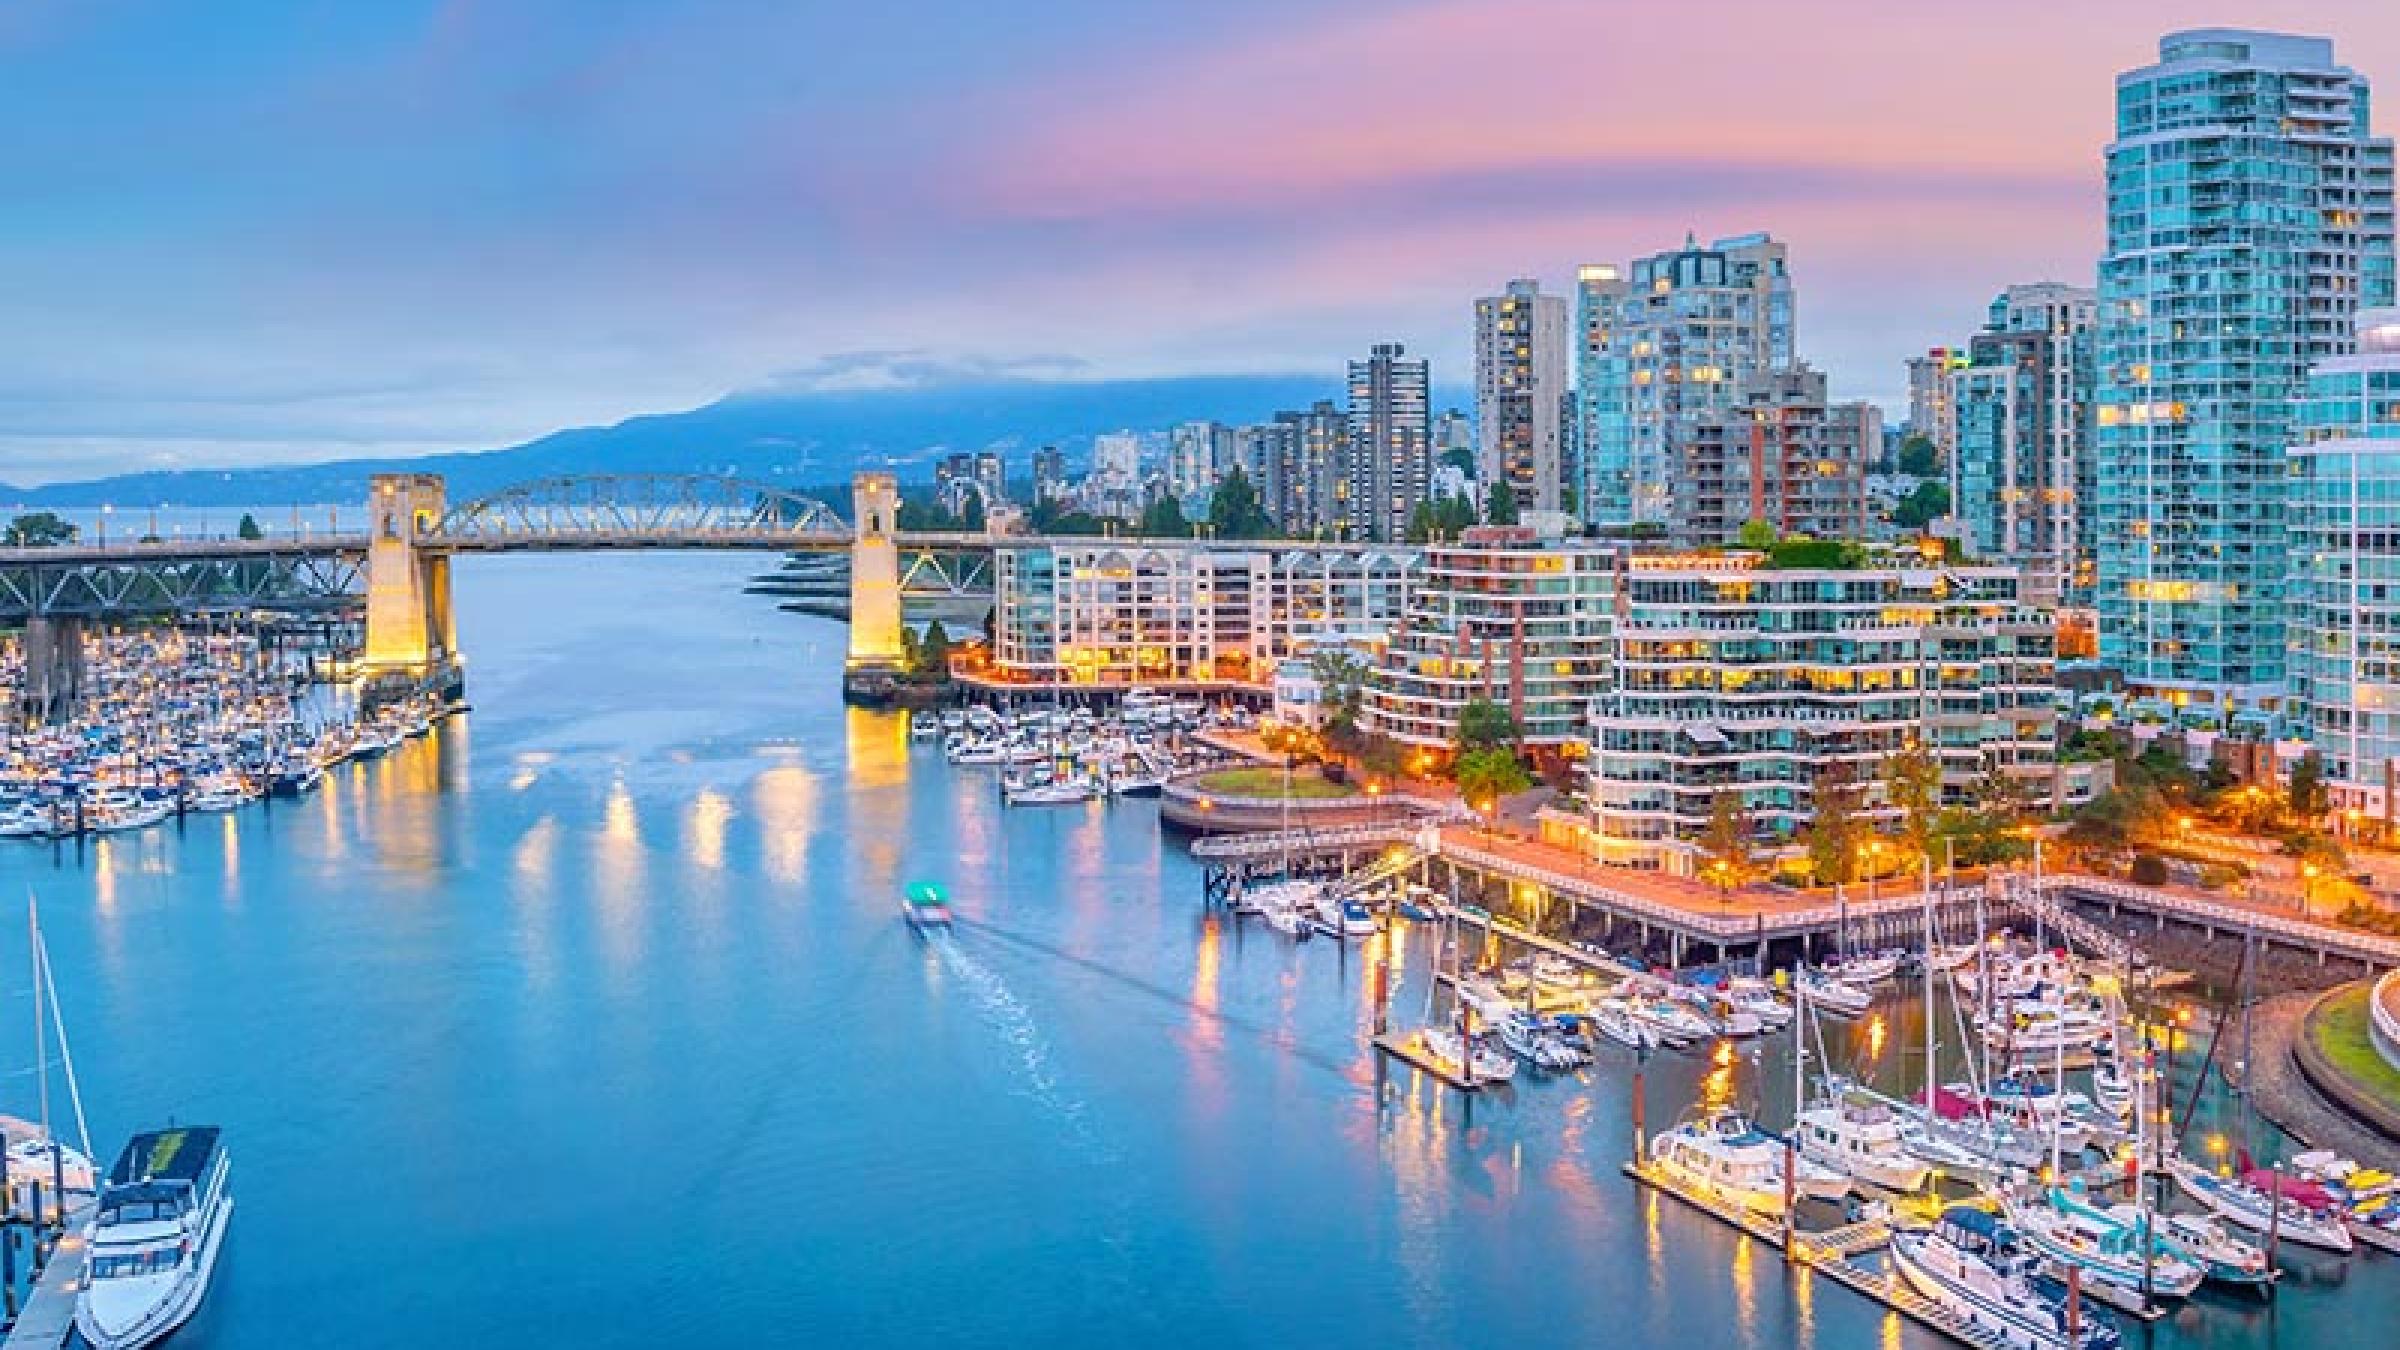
(2308,888)
(1374,802)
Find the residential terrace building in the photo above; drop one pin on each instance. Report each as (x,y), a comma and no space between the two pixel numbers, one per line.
(1501,615)
(1732,675)
(1117,613)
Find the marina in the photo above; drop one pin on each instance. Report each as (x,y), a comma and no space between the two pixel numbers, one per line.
(1085,1002)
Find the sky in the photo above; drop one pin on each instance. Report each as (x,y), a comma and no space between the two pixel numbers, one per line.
(246,232)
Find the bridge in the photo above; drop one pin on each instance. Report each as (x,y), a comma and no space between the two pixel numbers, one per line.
(400,563)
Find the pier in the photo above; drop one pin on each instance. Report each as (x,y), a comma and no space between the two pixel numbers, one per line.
(48,1321)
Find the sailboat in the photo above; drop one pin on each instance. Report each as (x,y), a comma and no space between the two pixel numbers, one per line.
(36,1156)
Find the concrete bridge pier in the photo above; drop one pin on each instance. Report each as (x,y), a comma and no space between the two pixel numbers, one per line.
(870,674)
(54,670)
(410,630)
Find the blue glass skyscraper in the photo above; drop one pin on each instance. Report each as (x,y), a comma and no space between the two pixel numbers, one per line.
(2249,216)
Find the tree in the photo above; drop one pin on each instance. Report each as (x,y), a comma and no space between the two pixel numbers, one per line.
(1500,504)
(1756,534)
(1454,515)
(1234,511)
(1485,776)
(1918,458)
(1912,781)
(1835,828)
(2307,795)
(971,519)
(1341,681)
(1163,519)
(38,529)
(1423,523)
(248,529)
(1461,458)
(1726,841)
(1485,725)
(1929,503)
(933,650)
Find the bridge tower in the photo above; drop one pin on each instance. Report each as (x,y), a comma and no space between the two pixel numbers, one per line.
(410,631)
(875,649)
(54,669)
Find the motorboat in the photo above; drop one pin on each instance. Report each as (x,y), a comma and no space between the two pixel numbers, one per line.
(155,1235)
(1051,792)
(2221,1257)
(1452,1049)
(1539,1041)
(1834,998)
(2112,1089)
(1859,1136)
(1343,917)
(1725,1157)
(926,909)
(2107,1246)
(1612,1018)
(2247,1206)
(1976,1268)
(1866,968)
(1758,998)
(1670,1020)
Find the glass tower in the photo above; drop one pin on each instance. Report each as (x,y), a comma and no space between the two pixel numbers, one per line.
(2249,215)
(2344,593)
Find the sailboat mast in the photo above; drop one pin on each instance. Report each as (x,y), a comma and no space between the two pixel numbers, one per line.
(66,1056)
(41,1034)
(1930,1077)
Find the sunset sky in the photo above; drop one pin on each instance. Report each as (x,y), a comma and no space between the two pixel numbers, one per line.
(243,232)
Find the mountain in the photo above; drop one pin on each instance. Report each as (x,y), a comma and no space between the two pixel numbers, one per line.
(812,439)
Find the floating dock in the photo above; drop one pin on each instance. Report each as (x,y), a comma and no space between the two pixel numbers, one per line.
(48,1322)
(1834,1253)
(1403,1046)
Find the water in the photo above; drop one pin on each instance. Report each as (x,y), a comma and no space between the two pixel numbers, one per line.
(591,1022)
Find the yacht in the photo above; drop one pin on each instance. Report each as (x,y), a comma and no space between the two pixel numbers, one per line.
(1727,1158)
(1863,969)
(1672,1022)
(2222,1257)
(1976,1268)
(2248,1206)
(155,1235)
(1611,1018)
(1538,1041)
(1835,998)
(1343,918)
(2106,1246)
(1489,1065)
(1758,998)
(1858,1136)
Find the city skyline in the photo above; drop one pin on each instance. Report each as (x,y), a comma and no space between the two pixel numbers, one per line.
(263,240)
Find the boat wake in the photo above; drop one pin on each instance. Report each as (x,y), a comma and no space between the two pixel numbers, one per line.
(1007,1015)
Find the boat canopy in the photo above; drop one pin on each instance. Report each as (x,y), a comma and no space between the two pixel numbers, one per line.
(165,1155)
(2306,1194)
(1953,1106)
(926,893)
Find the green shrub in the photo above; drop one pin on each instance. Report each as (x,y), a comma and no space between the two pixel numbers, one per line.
(2149,870)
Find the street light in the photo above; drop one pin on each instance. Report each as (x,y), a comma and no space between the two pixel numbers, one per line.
(2308,888)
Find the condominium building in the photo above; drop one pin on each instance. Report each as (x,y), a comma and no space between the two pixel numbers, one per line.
(1049,474)
(2249,216)
(1194,452)
(1389,467)
(2020,451)
(1501,615)
(1778,451)
(1312,493)
(1117,460)
(1112,613)
(1520,386)
(1260,451)
(1672,334)
(1730,675)
(1930,412)
(2344,593)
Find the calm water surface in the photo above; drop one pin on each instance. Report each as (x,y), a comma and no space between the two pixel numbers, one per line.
(590,1022)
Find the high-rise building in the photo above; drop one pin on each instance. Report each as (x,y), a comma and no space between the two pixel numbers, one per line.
(2019,449)
(2344,591)
(1312,498)
(1520,385)
(991,478)
(1389,467)
(1667,335)
(1780,452)
(2249,216)
(1929,399)
(1049,474)
(1117,459)
(1262,451)
(1194,452)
